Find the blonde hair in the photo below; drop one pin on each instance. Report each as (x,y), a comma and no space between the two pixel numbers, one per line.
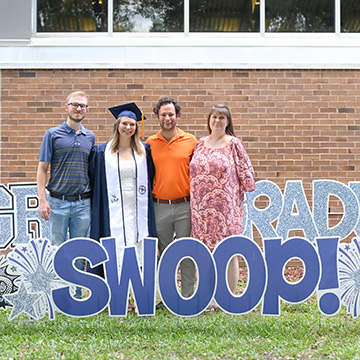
(77,93)
(135,143)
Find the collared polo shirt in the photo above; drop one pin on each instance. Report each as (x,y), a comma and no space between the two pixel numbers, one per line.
(68,153)
(171,160)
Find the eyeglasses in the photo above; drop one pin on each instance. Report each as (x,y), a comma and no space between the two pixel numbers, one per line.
(76,105)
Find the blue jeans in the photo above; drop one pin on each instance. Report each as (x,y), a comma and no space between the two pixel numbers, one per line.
(69,216)
(73,218)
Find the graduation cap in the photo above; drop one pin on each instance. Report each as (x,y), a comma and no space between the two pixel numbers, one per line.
(131,111)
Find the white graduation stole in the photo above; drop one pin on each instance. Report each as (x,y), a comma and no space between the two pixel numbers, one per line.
(116,211)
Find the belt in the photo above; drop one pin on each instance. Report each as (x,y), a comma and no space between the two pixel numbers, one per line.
(71,197)
(172,201)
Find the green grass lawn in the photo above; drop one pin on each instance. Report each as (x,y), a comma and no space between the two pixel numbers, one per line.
(300,332)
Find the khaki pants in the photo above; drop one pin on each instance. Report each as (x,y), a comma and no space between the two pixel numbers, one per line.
(175,220)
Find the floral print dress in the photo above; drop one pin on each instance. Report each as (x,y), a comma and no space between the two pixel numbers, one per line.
(218,180)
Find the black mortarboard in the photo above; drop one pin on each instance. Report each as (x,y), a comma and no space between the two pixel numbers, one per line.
(129,110)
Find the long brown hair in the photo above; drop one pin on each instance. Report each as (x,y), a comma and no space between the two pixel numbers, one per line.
(135,139)
(223,110)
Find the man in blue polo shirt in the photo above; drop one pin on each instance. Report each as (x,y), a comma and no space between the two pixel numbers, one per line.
(66,149)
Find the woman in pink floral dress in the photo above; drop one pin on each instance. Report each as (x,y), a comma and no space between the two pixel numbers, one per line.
(220,174)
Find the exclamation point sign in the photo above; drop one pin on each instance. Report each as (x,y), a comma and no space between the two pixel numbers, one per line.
(329,302)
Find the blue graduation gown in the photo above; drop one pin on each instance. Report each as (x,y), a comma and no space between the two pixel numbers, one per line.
(100,223)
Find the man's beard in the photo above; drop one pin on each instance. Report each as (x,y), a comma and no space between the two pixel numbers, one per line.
(77,119)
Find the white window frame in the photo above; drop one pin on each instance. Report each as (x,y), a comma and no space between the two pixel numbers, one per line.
(186,50)
(186,31)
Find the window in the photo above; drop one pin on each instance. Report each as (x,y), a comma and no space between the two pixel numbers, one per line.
(149,16)
(300,16)
(224,16)
(350,16)
(71,16)
(242,16)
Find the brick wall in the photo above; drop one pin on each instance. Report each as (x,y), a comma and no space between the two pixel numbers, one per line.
(295,124)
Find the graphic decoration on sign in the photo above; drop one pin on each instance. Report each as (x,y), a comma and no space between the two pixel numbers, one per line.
(349,276)
(7,281)
(34,263)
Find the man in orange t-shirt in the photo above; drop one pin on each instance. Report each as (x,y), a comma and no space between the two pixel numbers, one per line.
(171,150)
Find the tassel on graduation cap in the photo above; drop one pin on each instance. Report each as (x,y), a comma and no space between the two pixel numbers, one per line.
(142,126)
(131,111)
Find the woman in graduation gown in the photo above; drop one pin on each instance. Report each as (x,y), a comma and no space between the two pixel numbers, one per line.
(121,175)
